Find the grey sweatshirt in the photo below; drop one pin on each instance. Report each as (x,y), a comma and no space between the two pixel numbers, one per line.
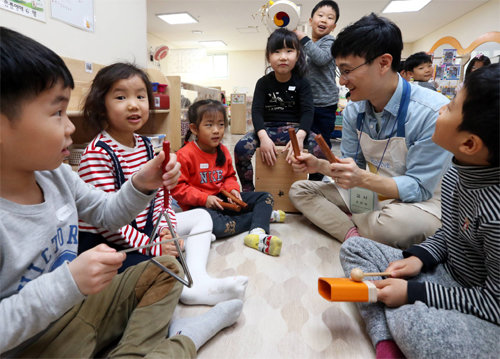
(321,70)
(38,241)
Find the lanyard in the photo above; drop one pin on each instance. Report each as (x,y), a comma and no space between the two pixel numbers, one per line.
(400,120)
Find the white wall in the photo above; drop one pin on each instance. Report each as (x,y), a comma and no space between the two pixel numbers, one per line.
(465,29)
(120,32)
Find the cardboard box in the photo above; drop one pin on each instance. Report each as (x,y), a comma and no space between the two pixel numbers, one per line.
(277,180)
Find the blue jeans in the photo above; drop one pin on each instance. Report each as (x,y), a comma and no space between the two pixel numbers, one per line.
(324,122)
(247,145)
(256,215)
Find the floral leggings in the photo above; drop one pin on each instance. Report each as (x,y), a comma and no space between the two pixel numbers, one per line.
(247,145)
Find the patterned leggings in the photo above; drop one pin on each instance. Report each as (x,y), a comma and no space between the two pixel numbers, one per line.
(247,145)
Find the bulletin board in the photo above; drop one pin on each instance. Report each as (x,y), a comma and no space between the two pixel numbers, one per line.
(34,9)
(79,13)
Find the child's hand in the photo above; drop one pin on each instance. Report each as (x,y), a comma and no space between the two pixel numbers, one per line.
(150,178)
(213,203)
(268,151)
(169,248)
(393,292)
(235,193)
(408,267)
(94,269)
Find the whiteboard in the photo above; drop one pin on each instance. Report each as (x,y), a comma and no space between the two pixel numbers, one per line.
(79,13)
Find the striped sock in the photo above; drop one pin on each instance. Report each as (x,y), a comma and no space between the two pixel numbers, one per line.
(263,242)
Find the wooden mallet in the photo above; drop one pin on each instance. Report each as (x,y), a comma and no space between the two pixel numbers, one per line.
(235,199)
(357,274)
(295,143)
(326,149)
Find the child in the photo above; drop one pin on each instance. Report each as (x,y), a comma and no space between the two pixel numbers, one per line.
(419,67)
(402,71)
(387,185)
(118,104)
(54,303)
(477,62)
(282,99)
(449,307)
(321,68)
(207,169)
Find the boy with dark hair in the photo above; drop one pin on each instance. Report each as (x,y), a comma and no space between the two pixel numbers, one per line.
(419,67)
(443,300)
(321,68)
(387,129)
(54,303)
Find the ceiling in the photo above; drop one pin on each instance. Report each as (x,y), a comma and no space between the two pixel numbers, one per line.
(239,23)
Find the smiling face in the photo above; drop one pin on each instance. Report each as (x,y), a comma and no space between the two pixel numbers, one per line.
(356,76)
(422,72)
(323,22)
(127,109)
(210,131)
(39,137)
(283,61)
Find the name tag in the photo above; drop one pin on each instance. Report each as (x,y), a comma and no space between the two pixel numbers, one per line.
(203,166)
(361,200)
(291,88)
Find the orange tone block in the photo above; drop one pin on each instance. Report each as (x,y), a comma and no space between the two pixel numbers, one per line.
(346,290)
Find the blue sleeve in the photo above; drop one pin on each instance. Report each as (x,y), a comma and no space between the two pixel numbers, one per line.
(426,162)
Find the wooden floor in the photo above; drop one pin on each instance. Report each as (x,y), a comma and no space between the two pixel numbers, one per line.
(283,314)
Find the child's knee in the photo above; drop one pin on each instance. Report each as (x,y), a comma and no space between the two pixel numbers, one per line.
(154,284)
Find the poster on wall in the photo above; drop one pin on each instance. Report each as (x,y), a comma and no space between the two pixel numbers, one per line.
(79,13)
(34,8)
(453,72)
(449,56)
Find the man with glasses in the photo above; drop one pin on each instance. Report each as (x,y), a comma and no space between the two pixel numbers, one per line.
(387,185)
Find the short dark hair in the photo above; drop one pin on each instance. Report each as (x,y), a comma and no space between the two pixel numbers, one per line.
(195,116)
(94,109)
(370,37)
(478,58)
(481,108)
(281,38)
(27,68)
(328,3)
(416,60)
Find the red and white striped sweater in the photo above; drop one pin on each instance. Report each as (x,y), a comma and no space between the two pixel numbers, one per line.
(96,168)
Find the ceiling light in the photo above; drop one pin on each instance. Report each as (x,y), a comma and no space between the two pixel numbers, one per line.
(197,32)
(215,43)
(177,18)
(248,29)
(405,6)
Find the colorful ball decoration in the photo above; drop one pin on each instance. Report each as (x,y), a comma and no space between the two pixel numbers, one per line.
(283,13)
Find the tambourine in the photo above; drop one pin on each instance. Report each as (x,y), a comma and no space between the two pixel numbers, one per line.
(283,14)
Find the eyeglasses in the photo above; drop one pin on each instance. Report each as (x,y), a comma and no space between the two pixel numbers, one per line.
(345,73)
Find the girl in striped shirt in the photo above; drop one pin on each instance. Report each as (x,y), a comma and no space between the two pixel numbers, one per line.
(118,104)
(443,297)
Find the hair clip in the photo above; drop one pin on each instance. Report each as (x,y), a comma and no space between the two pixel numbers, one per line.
(478,56)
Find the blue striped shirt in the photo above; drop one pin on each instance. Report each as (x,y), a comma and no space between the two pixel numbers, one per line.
(426,162)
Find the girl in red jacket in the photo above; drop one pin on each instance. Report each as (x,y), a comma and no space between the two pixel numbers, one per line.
(206,169)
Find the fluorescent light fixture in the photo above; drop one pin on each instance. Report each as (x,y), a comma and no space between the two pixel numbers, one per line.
(197,32)
(405,6)
(215,43)
(177,18)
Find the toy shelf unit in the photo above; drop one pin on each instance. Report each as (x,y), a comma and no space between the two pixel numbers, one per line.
(189,94)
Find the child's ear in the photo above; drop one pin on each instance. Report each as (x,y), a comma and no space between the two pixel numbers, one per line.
(193,129)
(471,145)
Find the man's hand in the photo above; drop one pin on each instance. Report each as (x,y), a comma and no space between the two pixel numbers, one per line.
(150,177)
(392,292)
(408,267)
(94,269)
(306,162)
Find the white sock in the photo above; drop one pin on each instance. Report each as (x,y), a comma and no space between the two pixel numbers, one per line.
(201,328)
(205,290)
